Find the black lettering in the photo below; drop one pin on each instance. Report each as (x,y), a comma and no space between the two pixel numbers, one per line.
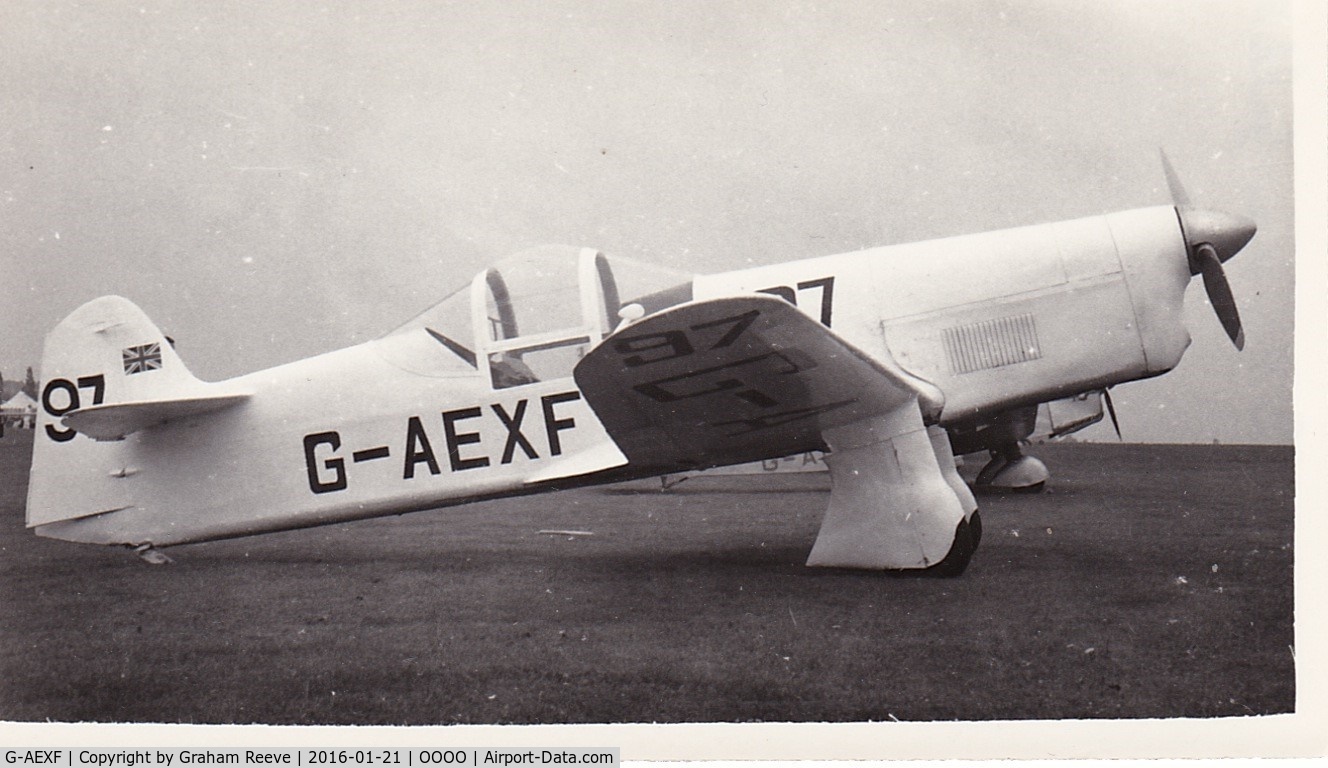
(756,397)
(767,421)
(371,454)
(337,465)
(554,425)
(98,385)
(455,440)
(827,286)
(663,390)
(418,449)
(71,396)
(514,436)
(739,323)
(671,344)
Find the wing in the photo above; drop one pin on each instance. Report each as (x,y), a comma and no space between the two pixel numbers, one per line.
(735,379)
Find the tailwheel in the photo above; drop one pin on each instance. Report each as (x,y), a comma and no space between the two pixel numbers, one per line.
(151,555)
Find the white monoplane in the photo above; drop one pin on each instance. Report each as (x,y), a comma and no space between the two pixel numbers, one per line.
(561,367)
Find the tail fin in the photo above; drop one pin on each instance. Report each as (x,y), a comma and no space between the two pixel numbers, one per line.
(112,340)
(107,372)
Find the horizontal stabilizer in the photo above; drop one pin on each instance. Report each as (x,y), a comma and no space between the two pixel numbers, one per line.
(116,420)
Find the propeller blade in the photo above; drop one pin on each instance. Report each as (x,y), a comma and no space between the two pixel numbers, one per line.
(1178,196)
(1219,292)
(1111,410)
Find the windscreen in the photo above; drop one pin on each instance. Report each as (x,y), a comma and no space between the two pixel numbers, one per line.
(538,294)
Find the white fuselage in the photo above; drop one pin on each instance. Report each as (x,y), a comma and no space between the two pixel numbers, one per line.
(1008,317)
(991,320)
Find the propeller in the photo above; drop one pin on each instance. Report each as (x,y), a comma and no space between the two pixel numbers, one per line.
(1211,237)
(1111,410)
(1219,292)
(1178,196)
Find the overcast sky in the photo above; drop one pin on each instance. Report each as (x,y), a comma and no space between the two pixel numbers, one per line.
(274,180)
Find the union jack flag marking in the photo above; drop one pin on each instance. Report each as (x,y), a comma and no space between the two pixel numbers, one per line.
(146,357)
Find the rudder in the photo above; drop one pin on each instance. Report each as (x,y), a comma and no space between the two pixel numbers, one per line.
(108,363)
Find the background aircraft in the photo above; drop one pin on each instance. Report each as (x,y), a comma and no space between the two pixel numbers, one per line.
(560,366)
(1033,424)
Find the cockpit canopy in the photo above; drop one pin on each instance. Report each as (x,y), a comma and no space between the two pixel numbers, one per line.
(531,316)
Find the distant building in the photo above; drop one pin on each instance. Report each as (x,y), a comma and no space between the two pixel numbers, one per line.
(20,411)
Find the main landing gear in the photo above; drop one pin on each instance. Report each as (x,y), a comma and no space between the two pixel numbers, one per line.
(896,501)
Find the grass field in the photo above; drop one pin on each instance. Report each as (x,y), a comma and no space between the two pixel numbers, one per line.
(1150,581)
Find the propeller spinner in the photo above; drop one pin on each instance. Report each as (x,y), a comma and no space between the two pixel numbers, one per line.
(1211,237)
